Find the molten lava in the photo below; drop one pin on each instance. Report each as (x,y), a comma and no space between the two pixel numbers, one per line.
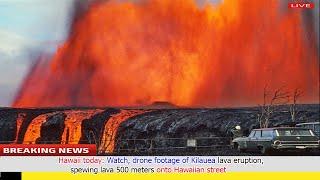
(34,128)
(133,54)
(107,143)
(72,131)
(21,117)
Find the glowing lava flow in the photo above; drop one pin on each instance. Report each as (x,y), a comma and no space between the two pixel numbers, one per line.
(34,128)
(19,121)
(135,53)
(72,131)
(107,143)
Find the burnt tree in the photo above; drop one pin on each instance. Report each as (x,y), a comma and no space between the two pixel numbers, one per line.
(270,103)
(293,106)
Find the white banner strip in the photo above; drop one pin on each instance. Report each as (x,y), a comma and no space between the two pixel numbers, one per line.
(163,164)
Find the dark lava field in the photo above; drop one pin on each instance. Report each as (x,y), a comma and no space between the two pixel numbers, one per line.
(140,131)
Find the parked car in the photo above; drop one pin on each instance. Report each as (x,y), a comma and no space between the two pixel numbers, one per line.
(268,140)
(315,126)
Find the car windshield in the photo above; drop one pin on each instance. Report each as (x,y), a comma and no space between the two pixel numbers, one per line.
(294,132)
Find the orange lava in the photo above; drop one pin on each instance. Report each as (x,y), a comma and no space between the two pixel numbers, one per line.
(72,131)
(21,117)
(107,143)
(34,128)
(133,54)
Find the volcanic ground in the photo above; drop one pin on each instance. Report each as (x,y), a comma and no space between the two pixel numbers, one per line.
(139,131)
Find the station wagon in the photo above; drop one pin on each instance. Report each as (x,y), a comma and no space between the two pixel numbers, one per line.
(277,139)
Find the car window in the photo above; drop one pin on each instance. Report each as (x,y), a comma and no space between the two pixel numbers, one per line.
(317,127)
(252,133)
(308,126)
(267,133)
(257,134)
(294,132)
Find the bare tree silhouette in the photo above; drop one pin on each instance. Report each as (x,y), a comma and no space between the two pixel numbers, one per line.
(270,104)
(293,106)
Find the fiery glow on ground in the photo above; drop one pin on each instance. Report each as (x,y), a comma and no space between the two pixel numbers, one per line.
(107,143)
(72,130)
(34,129)
(21,117)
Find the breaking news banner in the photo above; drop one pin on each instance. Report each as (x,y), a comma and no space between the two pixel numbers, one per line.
(156,89)
(47,150)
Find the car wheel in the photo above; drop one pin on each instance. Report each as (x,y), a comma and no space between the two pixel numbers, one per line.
(238,148)
(264,150)
(235,145)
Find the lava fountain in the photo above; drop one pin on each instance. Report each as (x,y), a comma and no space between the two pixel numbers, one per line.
(133,54)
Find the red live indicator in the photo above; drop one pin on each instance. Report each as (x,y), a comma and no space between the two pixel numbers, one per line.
(301,5)
(48,150)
